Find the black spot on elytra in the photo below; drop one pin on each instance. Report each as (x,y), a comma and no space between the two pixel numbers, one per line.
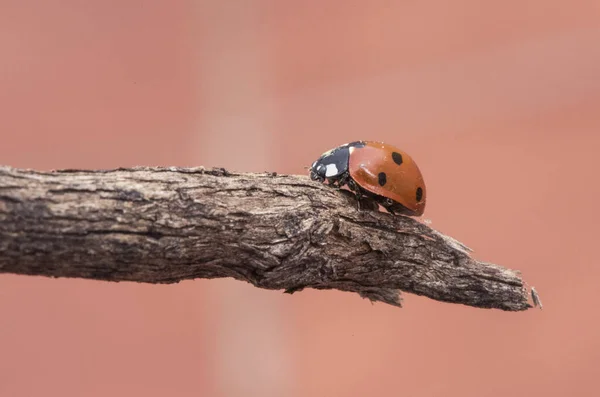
(397,157)
(382,178)
(419,194)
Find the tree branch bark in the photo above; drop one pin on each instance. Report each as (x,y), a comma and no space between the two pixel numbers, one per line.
(164,225)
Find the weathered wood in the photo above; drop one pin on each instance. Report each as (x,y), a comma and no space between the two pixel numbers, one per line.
(164,225)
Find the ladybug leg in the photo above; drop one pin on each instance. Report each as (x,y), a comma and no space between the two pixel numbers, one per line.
(363,201)
(389,205)
(333,182)
(358,192)
(352,186)
(343,180)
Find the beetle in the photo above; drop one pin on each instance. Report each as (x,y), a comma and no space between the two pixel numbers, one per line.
(377,171)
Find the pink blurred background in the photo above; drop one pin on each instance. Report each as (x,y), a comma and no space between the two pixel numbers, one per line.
(499,103)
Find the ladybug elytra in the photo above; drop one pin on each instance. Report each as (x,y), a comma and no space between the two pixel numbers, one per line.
(376,171)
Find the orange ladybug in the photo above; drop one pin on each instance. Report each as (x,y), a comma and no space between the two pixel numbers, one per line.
(376,171)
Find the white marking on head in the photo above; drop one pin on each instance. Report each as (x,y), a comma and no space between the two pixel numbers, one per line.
(331,170)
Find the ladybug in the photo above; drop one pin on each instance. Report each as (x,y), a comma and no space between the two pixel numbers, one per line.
(374,171)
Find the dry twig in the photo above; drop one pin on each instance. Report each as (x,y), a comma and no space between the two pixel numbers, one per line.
(164,225)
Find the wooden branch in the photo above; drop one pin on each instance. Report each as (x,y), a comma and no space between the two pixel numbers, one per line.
(164,225)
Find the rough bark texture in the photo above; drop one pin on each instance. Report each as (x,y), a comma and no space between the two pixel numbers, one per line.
(163,225)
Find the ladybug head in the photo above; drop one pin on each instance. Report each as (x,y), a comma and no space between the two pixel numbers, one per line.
(317,171)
